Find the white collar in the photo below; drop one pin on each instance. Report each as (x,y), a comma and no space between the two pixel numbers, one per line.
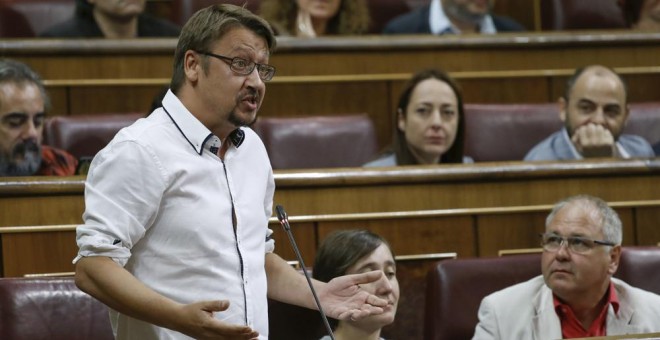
(440,24)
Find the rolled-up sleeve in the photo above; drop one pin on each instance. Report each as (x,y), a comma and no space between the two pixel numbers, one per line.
(123,192)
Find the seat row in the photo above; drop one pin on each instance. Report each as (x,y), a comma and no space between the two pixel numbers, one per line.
(27,18)
(495,132)
(54,308)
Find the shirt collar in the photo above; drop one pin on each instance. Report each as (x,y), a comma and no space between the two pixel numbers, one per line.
(440,24)
(612,299)
(198,135)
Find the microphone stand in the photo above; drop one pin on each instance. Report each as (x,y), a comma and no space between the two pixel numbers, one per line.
(284,220)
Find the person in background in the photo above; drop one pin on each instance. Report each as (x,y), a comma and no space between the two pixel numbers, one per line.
(452,17)
(313,18)
(111,19)
(429,123)
(175,237)
(594,110)
(656,149)
(23,106)
(642,15)
(359,251)
(576,295)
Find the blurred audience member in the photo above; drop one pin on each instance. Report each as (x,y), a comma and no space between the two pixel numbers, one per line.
(430,123)
(452,17)
(23,104)
(312,18)
(359,251)
(111,19)
(594,110)
(656,149)
(643,14)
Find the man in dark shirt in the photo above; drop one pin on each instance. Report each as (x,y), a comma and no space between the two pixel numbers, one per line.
(111,19)
(23,102)
(452,17)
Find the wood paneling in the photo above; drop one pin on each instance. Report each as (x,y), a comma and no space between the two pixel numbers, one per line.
(647,221)
(477,232)
(38,252)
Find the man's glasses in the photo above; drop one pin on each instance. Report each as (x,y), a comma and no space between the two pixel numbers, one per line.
(579,245)
(245,67)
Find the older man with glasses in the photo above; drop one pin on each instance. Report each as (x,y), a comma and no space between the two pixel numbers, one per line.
(576,296)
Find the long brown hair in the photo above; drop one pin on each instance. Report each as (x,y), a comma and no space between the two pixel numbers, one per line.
(352,17)
(400,146)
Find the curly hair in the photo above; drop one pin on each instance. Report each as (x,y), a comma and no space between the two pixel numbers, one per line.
(352,17)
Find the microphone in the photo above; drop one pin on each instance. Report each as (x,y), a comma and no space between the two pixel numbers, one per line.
(284,221)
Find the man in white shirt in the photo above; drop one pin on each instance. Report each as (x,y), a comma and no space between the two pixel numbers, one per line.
(175,239)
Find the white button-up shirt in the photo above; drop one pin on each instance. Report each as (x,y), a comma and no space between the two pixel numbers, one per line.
(159,203)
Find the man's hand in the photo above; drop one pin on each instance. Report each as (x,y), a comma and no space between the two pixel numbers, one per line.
(594,140)
(197,321)
(342,298)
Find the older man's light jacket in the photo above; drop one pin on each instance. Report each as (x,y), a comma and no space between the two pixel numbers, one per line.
(526,311)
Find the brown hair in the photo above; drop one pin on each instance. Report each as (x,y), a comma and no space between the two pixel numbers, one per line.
(352,17)
(342,249)
(209,25)
(400,146)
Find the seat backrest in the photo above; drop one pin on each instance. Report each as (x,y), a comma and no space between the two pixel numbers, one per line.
(318,141)
(182,10)
(582,14)
(504,132)
(411,271)
(382,11)
(85,135)
(640,267)
(455,289)
(644,121)
(50,308)
(28,18)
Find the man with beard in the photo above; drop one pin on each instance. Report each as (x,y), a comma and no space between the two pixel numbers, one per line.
(23,104)
(115,19)
(594,110)
(452,17)
(175,237)
(576,297)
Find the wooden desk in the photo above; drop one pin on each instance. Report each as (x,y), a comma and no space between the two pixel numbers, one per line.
(473,210)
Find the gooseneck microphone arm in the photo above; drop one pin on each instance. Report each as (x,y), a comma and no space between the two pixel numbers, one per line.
(284,221)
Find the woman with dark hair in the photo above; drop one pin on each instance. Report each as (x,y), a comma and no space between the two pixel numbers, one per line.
(111,19)
(429,126)
(359,251)
(643,14)
(311,18)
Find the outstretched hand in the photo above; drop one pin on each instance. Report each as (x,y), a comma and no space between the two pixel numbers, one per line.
(342,298)
(198,322)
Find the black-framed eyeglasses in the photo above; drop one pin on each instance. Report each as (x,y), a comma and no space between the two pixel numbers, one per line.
(580,245)
(245,67)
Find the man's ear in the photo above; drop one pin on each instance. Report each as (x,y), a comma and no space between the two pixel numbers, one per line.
(192,66)
(401,120)
(615,256)
(563,115)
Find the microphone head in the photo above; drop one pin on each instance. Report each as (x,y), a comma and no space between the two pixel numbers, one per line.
(281,214)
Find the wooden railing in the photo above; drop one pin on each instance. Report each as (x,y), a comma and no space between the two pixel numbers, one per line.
(473,210)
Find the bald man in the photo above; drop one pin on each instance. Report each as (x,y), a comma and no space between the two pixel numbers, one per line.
(594,110)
